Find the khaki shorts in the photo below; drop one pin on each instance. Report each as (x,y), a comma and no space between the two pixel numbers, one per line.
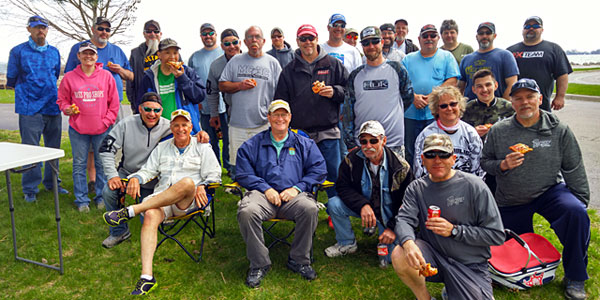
(237,136)
(174,211)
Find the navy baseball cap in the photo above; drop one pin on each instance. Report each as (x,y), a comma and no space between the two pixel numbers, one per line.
(488,25)
(525,83)
(151,97)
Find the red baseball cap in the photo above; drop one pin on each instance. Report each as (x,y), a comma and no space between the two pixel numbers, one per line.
(307,29)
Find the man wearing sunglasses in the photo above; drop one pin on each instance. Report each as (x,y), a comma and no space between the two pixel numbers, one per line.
(141,59)
(457,242)
(499,61)
(370,186)
(379,90)
(282,51)
(335,46)
(403,44)
(543,61)
(388,35)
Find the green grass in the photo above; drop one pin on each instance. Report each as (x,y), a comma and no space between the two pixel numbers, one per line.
(8,96)
(583,89)
(92,272)
(586,69)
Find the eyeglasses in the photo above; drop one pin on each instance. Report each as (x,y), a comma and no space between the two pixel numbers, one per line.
(100,28)
(150,109)
(429,36)
(440,154)
(209,33)
(277,36)
(371,141)
(227,44)
(451,104)
(305,38)
(148,31)
(352,37)
(529,26)
(281,115)
(338,25)
(254,37)
(368,42)
(484,33)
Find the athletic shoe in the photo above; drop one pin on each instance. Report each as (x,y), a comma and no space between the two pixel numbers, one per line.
(574,290)
(340,250)
(30,198)
(444,294)
(84,208)
(306,271)
(144,286)
(116,217)
(100,205)
(112,240)
(61,190)
(255,276)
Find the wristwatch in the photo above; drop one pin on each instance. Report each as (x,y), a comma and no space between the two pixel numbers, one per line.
(454,232)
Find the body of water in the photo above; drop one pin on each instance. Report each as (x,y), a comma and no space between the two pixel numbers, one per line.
(584,59)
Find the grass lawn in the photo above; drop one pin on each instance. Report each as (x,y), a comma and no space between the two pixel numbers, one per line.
(97,273)
(585,69)
(8,96)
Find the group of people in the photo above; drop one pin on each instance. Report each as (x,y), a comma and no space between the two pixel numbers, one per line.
(398,128)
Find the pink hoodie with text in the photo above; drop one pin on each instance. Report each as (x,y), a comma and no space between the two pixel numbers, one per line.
(96,96)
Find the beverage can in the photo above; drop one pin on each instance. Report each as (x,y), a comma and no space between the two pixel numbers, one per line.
(369,231)
(433,212)
(382,250)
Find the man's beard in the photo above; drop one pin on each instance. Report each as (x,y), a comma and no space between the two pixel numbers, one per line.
(152,47)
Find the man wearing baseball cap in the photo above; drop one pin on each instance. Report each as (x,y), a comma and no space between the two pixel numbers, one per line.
(388,35)
(403,44)
(543,61)
(530,183)
(141,59)
(335,46)
(499,61)
(181,188)
(458,241)
(278,168)
(282,51)
(317,112)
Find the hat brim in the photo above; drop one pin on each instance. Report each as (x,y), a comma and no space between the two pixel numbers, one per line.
(437,147)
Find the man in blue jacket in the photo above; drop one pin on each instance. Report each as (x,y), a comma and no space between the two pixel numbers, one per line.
(278,168)
(33,68)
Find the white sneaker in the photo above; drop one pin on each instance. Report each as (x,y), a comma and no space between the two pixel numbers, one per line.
(340,250)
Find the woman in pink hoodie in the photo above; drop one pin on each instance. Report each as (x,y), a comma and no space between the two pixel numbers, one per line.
(89,96)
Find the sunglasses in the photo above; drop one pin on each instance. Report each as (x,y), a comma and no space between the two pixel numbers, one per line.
(484,33)
(352,37)
(338,25)
(440,154)
(371,141)
(305,38)
(149,109)
(277,36)
(451,104)
(100,28)
(148,31)
(209,33)
(529,26)
(429,36)
(227,44)
(368,42)
(36,19)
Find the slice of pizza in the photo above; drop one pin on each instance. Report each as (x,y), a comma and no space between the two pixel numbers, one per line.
(75,109)
(317,86)
(176,64)
(253,81)
(488,125)
(520,147)
(428,271)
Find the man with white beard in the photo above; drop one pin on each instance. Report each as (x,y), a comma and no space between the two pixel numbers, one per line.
(140,60)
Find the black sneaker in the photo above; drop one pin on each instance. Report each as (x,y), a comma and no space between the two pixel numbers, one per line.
(255,276)
(574,290)
(116,217)
(306,271)
(144,286)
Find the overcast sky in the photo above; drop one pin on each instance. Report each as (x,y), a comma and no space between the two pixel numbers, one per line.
(572,24)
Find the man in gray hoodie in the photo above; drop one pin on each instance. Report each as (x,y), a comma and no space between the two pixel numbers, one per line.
(531,183)
(282,50)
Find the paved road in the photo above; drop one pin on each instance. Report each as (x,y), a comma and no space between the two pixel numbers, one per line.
(582,117)
(587,77)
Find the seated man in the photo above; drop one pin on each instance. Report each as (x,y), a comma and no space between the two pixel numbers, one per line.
(370,186)
(278,168)
(184,167)
(458,241)
(530,183)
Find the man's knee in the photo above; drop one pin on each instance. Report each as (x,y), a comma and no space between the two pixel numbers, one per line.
(153,217)
(335,206)
(399,260)
(185,185)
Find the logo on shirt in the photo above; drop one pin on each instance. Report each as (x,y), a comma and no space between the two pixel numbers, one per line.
(541,144)
(292,151)
(322,72)
(339,56)
(528,54)
(374,85)
(253,71)
(452,200)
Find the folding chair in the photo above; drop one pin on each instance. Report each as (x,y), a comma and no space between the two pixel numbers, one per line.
(204,218)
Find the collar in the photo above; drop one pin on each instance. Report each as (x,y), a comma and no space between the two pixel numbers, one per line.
(483,104)
(383,165)
(37,47)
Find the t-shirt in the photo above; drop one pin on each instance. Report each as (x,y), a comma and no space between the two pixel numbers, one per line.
(347,54)
(461,51)
(249,107)
(478,113)
(425,73)
(543,62)
(200,61)
(499,61)
(166,90)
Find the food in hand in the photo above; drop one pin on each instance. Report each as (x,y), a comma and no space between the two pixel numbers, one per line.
(176,64)
(109,63)
(488,125)
(317,86)
(74,109)
(253,81)
(520,147)
(428,271)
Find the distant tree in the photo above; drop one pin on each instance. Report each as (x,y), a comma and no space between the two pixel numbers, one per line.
(74,18)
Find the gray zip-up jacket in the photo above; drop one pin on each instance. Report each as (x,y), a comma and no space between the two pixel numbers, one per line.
(284,56)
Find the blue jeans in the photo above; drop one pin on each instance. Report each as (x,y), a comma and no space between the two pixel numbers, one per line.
(214,140)
(330,149)
(32,128)
(344,234)
(80,146)
(412,128)
(111,202)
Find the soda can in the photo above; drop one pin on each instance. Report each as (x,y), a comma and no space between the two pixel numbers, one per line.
(433,212)
(369,231)
(382,250)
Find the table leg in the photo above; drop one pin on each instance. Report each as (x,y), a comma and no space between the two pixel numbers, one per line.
(11,208)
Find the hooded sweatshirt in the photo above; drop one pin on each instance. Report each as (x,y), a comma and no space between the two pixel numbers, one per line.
(555,150)
(284,56)
(96,97)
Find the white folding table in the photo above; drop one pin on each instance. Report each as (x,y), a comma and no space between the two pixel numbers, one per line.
(14,158)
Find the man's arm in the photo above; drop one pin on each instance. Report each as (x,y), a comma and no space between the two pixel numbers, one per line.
(509,83)
(14,68)
(109,147)
(562,83)
(572,167)
(151,168)
(348,193)
(461,86)
(246,174)
(452,81)
(213,92)
(314,168)
(348,112)
(406,90)
(340,82)
(191,86)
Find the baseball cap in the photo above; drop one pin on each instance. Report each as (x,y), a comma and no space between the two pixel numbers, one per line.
(428,28)
(100,20)
(535,18)
(372,127)
(488,25)
(370,32)
(87,46)
(438,141)
(151,23)
(37,20)
(229,32)
(151,97)
(181,113)
(350,30)
(335,18)
(387,26)
(307,29)
(167,43)
(277,104)
(207,26)
(276,29)
(525,83)
(401,20)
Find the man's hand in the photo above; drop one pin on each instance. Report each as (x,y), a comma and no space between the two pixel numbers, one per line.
(367,216)
(116,183)
(273,197)
(413,254)
(439,226)
(176,72)
(326,91)
(202,137)
(69,111)
(512,160)
(421,101)
(245,84)
(115,68)
(215,122)
(201,198)
(387,237)
(558,102)
(288,194)
(133,188)
(482,130)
